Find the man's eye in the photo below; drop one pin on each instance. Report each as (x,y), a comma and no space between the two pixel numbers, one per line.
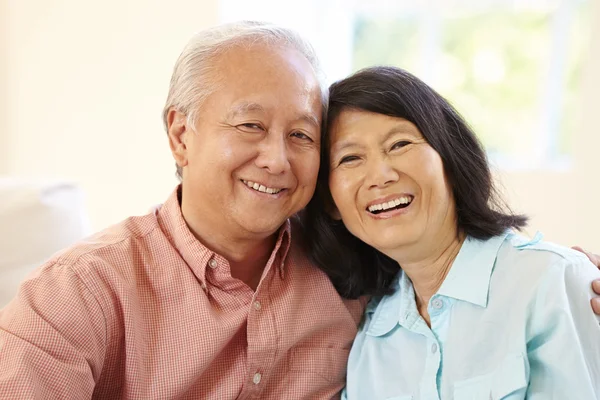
(347,159)
(250,126)
(301,135)
(399,144)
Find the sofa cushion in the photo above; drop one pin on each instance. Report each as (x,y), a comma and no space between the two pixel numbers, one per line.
(37,218)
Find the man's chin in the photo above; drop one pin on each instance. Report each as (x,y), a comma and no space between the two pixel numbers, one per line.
(264,224)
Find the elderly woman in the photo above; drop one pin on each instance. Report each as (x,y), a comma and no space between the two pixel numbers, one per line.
(463,306)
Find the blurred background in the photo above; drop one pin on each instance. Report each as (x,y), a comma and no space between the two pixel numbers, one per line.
(83,84)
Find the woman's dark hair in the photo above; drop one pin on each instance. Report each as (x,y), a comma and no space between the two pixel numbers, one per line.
(354,267)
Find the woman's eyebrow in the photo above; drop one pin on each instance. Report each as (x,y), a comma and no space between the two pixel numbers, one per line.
(402,127)
(343,145)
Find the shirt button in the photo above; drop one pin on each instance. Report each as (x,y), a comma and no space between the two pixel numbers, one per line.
(437,304)
(257,305)
(256,378)
(203,286)
(434,348)
(212,263)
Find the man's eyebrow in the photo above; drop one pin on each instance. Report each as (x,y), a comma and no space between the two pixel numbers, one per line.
(311,119)
(244,108)
(250,107)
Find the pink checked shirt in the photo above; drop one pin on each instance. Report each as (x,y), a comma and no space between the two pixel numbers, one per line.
(143,310)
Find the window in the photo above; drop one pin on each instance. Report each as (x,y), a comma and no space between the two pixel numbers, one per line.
(510,67)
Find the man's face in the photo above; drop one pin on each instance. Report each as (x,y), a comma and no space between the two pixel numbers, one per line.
(252,158)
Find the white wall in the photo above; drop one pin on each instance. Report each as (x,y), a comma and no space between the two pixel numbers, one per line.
(326,24)
(565,206)
(3,92)
(83,85)
(86,82)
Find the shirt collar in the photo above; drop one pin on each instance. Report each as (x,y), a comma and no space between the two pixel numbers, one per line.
(193,252)
(392,309)
(469,278)
(282,247)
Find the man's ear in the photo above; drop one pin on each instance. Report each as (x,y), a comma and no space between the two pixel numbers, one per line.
(177,130)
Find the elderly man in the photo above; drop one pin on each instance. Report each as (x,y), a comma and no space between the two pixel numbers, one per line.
(210,296)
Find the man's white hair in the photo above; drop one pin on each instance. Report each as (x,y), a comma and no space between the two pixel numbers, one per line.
(193,78)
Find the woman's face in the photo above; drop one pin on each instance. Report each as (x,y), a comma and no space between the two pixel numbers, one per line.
(388,183)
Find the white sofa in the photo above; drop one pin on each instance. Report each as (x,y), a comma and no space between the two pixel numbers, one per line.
(37,218)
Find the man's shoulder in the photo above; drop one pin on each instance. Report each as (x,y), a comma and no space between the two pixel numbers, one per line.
(307,271)
(298,250)
(297,228)
(114,244)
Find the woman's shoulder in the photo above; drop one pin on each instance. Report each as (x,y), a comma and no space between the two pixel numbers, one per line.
(536,252)
(531,260)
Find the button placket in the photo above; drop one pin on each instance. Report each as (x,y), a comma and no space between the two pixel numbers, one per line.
(437,304)
(260,338)
(434,348)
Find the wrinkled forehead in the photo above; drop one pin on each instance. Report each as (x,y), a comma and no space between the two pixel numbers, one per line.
(261,78)
(352,126)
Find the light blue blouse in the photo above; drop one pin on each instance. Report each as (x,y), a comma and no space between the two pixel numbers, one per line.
(512,320)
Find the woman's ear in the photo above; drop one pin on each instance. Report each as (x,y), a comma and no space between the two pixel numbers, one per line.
(333,212)
(328,204)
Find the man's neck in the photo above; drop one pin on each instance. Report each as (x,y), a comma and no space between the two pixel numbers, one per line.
(247,254)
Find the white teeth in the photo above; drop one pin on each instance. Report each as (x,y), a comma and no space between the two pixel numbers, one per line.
(390,204)
(261,188)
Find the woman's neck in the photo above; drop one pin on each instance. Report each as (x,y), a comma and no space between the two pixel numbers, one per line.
(428,271)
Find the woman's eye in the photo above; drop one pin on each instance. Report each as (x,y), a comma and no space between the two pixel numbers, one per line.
(347,159)
(400,144)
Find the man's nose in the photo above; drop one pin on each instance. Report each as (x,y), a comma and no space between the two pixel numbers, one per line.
(273,155)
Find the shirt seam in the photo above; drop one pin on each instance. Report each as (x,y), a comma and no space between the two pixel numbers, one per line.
(91,292)
(62,259)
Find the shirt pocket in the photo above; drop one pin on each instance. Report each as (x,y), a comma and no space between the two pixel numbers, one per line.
(507,382)
(326,363)
(405,397)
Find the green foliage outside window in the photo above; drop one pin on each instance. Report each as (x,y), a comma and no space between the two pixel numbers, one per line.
(493,66)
